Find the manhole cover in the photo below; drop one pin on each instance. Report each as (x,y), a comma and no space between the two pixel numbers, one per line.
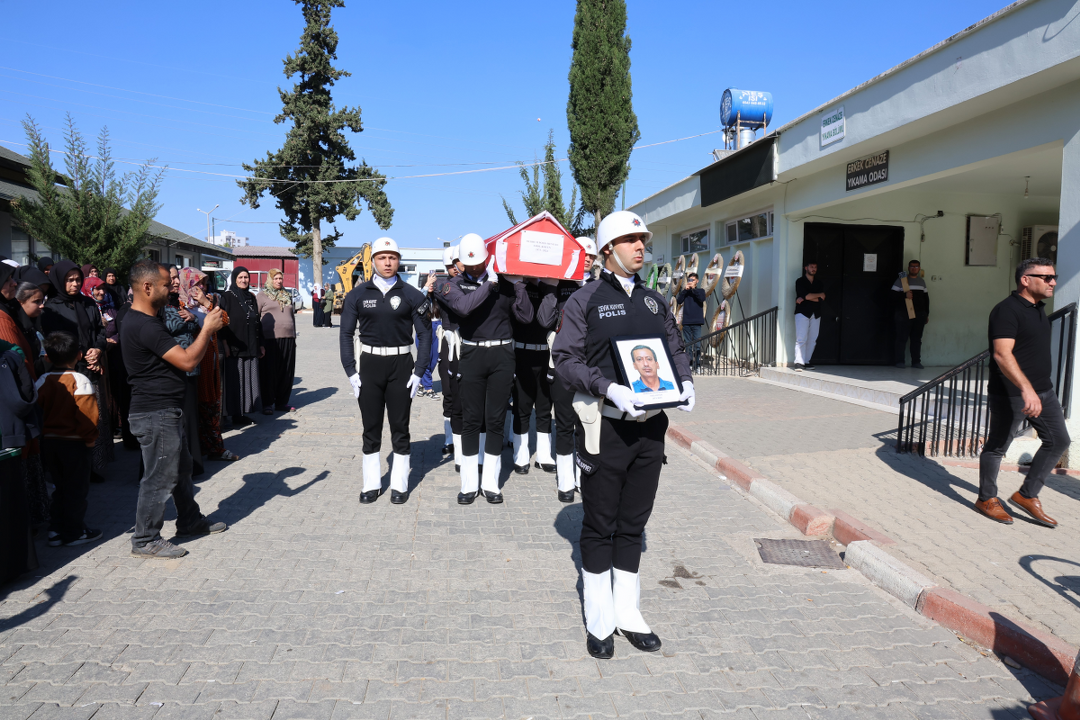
(804,553)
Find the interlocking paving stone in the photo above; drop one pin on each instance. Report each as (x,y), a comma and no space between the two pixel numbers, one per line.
(312,606)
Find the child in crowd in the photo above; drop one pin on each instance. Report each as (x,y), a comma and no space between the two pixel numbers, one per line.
(68,435)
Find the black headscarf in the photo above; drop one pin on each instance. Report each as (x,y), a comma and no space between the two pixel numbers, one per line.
(116,290)
(6,305)
(57,274)
(6,271)
(244,331)
(44,264)
(30,274)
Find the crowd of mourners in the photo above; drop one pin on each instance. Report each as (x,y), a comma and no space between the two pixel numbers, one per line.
(65,396)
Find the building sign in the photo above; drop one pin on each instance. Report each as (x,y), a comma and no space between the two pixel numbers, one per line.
(869,170)
(832,126)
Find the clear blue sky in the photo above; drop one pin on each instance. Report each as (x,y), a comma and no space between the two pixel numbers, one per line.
(443,86)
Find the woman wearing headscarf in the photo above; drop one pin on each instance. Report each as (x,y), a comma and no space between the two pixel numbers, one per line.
(27,307)
(71,311)
(243,347)
(195,298)
(9,325)
(89,270)
(328,308)
(182,325)
(279,338)
(112,286)
(316,306)
(94,288)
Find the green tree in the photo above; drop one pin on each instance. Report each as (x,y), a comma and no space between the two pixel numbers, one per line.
(548,196)
(310,178)
(599,113)
(87,214)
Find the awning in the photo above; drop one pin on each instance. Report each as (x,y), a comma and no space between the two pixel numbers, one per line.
(746,169)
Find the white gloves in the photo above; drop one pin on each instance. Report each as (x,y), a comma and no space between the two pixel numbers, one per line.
(492,276)
(354,380)
(687,394)
(624,399)
(414,385)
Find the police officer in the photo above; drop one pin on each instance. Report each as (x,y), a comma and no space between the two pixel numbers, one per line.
(620,446)
(531,389)
(449,355)
(386,310)
(549,314)
(484,303)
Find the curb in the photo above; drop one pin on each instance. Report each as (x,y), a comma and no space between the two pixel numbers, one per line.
(1041,652)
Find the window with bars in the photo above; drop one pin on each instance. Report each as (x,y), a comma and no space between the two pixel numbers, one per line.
(751,227)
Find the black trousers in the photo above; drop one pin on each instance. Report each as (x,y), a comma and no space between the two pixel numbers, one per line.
(450,373)
(316,314)
(905,329)
(531,390)
(565,418)
(328,317)
(487,374)
(1006,414)
(68,462)
(384,381)
(278,371)
(618,488)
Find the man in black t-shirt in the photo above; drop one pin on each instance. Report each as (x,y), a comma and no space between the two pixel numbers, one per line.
(808,297)
(1021,388)
(156,367)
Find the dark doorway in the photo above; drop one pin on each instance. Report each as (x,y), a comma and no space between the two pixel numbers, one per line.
(857,314)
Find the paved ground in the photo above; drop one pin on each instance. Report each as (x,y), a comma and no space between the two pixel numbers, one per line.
(838,455)
(312,606)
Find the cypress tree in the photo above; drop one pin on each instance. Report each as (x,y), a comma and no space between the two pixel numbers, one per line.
(309,177)
(599,112)
(538,198)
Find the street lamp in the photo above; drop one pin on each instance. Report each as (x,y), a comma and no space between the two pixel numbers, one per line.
(207,213)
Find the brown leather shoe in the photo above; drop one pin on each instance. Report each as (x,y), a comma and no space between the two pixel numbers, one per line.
(993,509)
(1033,507)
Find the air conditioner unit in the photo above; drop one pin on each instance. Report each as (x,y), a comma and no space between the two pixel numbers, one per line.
(1039,241)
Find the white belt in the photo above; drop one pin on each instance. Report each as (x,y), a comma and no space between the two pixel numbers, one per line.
(453,343)
(615,413)
(398,350)
(487,343)
(527,346)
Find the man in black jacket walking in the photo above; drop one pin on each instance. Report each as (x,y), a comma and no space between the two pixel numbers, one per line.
(692,300)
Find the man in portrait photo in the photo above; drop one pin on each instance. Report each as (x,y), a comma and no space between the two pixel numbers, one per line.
(645,363)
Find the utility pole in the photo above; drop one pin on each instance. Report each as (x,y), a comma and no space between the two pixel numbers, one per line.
(208,213)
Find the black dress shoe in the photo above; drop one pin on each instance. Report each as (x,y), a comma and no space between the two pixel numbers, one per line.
(645,642)
(493,498)
(600,649)
(457,468)
(447,449)
(466,498)
(546,468)
(399,498)
(370,496)
(567,496)
(521,469)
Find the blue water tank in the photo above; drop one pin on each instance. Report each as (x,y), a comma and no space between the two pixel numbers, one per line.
(749,106)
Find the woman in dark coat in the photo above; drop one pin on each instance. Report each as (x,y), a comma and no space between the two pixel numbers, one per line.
(116,290)
(73,312)
(243,347)
(316,307)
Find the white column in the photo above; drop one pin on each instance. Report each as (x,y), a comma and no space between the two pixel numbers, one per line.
(1068,269)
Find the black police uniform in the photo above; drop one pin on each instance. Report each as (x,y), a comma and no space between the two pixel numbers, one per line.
(531,389)
(618,485)
(386,324)
(562,396)
(448,364)
(484,310)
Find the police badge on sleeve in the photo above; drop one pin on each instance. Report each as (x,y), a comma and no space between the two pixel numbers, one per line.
(395,301)
(652,305)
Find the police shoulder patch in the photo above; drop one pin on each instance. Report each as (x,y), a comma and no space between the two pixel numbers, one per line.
(395,301)
(652,305)
(424,306)
(446,289)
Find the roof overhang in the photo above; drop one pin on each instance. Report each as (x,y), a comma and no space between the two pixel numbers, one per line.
(748,168)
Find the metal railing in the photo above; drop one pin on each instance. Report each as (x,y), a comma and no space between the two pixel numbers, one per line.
(950,416)
(741,348)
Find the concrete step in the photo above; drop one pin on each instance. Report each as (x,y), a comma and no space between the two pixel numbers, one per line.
(880,387)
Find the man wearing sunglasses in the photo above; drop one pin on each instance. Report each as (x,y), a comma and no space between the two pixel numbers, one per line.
(1021,388)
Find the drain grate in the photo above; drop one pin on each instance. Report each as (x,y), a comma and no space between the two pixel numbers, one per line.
(803,553)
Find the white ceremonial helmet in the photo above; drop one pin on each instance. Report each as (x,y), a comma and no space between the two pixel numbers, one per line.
(448,256)
(588,244)
(617,224)
(455,253)
(384,244)
(472,250)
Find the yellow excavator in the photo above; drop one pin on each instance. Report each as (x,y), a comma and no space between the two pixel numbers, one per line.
(358,265)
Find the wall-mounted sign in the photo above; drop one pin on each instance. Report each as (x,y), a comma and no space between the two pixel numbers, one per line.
(869,170)
(832,126)
(869,262)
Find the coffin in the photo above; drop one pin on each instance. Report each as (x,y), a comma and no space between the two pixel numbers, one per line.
(540,247)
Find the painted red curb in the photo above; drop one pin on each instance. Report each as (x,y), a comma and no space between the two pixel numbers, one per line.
(811,521)
(682,438)
(848,529)
(1046,654)
(743,476)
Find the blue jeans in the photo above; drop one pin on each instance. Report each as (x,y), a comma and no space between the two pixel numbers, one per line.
(425,381)
(691,334)
(162,436)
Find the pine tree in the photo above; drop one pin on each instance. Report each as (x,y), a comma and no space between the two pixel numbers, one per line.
(87,215)
(309,177)
(599,113)
(550,197)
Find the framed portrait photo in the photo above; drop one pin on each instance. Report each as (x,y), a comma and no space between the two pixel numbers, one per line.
(645,365)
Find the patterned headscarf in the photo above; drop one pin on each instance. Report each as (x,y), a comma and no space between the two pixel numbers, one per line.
(189,278)
(283,296)
(106,303)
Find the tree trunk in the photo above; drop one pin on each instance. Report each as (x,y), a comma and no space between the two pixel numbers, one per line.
(596,221)
(316,252)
